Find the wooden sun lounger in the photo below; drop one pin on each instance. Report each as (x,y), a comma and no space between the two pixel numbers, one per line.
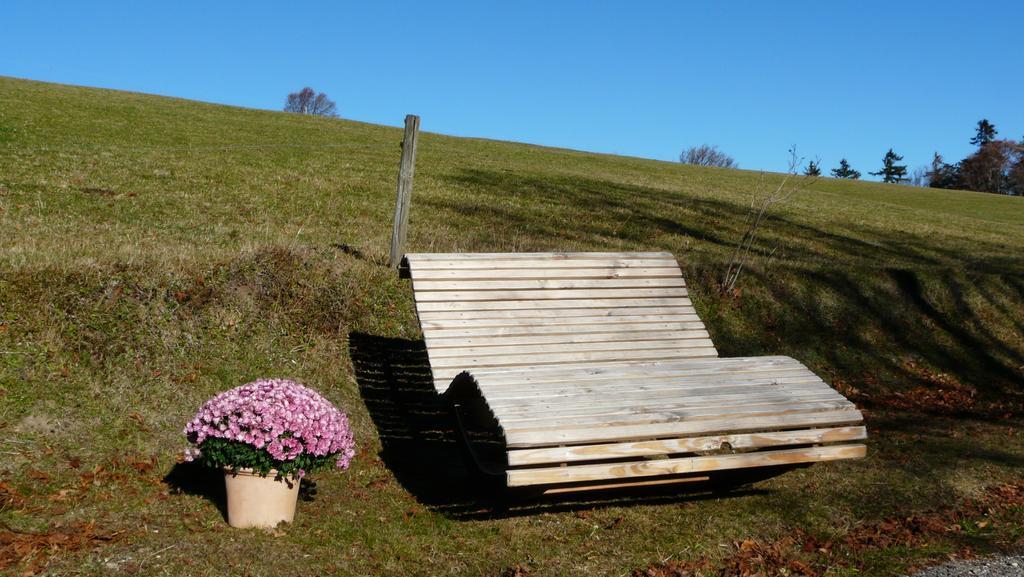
(597,372)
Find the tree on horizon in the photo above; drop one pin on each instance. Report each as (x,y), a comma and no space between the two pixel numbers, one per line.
(845,171)
(308,101)
(985,133)
(943,175)
(707,155)
(892,172)
(997,167)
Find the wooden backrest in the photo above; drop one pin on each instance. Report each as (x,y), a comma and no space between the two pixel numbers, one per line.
(493,310)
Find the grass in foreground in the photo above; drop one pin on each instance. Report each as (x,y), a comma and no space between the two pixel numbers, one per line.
(155,251)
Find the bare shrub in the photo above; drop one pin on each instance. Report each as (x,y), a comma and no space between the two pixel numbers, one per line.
(762,201)
(707,155)
(995,167)
(308,101)
(919,177)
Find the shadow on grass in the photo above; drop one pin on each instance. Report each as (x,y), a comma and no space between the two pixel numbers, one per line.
(423,449)
(634,213)
(884,331)
(195,479)
(882,310)
(198,480)
(418,436)
(916,464)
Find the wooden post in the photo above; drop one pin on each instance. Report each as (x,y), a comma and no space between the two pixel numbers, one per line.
(405,172)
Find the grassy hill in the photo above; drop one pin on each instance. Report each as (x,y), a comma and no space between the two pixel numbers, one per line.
(154,251)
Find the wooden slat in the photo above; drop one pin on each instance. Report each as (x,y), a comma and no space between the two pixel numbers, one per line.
(568,394)
(443,376)
(533,305)
(655,410)
(501,399)
(544,263)
(505,403)
(687,465)
(545,273)
(561,295)
(640,369)
(546,284)
(616,386)
(657,402)
(435,342)
(522,457)
(557,490)
(567,348)
(788,407)
(632,371)
(673,412)
(549,313)
(423,257)
(556,357)
(641,321)
(560,329)
(581,435)
(653,400)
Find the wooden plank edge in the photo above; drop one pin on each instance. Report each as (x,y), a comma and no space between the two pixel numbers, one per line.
(577,453)
(625,484)
(682,466)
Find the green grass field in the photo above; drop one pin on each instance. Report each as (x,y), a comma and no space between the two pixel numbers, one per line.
(154,251)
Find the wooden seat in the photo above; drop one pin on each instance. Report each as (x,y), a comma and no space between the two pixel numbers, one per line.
(596,371)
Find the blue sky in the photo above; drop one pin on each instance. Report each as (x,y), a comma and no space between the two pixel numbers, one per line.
(637,78)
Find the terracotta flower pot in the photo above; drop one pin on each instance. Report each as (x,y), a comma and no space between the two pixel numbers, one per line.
(255,501)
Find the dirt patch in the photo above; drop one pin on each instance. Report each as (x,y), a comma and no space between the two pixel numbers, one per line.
(37,424)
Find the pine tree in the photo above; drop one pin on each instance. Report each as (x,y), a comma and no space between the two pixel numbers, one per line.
(844,171)
(984,134)
(892,172)
(812,169)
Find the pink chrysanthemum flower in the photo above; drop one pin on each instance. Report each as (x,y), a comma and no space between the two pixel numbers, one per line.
(279,416)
